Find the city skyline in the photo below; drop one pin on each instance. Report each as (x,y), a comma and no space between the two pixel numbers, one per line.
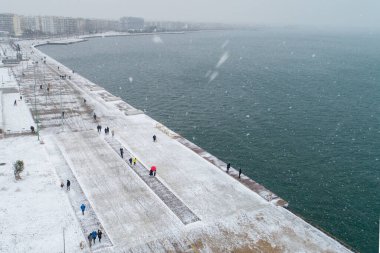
(337,13)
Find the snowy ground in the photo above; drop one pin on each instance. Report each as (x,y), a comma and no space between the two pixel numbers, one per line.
(139,215)
(14,119)
(34,210)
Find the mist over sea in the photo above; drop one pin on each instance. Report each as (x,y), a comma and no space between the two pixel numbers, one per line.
(297,111)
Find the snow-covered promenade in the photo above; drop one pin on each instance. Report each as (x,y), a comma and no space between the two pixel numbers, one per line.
(191,205)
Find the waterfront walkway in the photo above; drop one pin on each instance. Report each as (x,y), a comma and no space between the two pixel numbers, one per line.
(191,205)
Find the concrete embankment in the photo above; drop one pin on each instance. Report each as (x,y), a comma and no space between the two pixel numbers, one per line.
(192,205)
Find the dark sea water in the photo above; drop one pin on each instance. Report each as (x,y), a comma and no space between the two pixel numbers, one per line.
(297,111)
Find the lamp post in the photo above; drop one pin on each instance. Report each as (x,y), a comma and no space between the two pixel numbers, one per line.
(35,98)
(60,99)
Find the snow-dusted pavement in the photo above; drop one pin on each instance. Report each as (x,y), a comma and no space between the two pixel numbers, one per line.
(191,205)
(34,210)
(14,118)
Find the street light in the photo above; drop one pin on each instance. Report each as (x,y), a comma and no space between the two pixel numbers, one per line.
(60,99)
(35,98)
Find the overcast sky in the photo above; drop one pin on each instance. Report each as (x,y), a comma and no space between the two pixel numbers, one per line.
(336,13)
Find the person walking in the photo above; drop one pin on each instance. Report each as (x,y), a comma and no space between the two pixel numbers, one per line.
(122,152)
(63,115)
(62,185)
(134,161)
(100,235)
(83,207)
(15,103)
(228,167)
(94,116)
(89,237)
(94,234)
(239,172)
(113,133)
(154,170)
(68,183)
(130,161)
(154,138)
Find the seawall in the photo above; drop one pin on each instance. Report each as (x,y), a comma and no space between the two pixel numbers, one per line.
(228,205)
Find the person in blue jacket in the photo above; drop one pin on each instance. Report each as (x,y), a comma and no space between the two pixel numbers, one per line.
(94,234)
(83,207)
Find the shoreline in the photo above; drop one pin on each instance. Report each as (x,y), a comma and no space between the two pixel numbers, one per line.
(263,192)
(97,93)
(248,182)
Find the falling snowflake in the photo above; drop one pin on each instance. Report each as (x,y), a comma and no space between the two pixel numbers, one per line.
(222,59)
(225,43)
(157,39)
(213,76)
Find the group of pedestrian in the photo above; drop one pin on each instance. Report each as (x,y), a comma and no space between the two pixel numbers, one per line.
(228,169)
(152,171)
(68,183)
(93,235)
(107,130)
(132,161)
(99,127)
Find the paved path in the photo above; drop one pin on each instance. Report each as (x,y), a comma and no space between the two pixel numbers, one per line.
(166,195)
(89,222)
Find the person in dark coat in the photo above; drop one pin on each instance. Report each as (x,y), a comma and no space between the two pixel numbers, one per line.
(89,237)
(68,183)
(100,235)
(154,138)
(15,103)
(130,161)
(62,185)
(83,207)
(239,172)
(93,235)
(122,152)
(228,167)
(94,116)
